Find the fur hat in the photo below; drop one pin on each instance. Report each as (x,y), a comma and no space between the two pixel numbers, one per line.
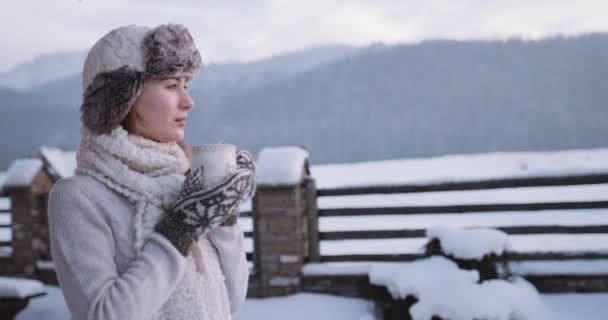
(117,65)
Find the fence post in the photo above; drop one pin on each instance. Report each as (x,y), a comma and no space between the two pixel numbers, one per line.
(313,221)
(28,187)
(280,221)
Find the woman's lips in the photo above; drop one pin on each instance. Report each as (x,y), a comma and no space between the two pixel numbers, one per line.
(181,122)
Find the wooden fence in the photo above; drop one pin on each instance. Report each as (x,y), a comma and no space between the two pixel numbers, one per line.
(347,284)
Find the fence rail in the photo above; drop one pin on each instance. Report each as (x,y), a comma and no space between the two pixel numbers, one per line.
(470,185)
(421,233)
(513,256)
(467,208)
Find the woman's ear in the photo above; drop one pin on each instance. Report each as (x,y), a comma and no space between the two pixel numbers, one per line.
(186,149)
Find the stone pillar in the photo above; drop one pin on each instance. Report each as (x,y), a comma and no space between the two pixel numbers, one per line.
(30,239)
(280,224)
(280,239)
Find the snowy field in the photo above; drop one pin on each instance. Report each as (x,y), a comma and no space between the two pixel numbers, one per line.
(434,170)
(305,306)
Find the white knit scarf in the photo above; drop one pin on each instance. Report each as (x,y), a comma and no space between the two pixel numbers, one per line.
(150,175)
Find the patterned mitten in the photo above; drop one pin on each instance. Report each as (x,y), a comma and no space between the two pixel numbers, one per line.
(199,209)
(244,161)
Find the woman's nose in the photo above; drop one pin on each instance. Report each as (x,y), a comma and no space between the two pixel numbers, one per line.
(186,101)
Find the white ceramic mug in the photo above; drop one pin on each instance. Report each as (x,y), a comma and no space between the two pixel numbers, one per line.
(218,160)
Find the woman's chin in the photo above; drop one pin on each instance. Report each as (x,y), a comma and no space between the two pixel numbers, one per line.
(178,135)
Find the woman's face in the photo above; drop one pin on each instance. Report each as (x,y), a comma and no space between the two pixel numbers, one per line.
(160,112)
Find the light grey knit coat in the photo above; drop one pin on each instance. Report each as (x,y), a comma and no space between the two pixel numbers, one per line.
(101,276)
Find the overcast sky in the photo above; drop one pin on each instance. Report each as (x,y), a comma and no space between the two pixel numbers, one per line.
(245,30)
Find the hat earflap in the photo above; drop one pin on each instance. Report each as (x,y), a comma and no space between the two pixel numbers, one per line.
(108,99)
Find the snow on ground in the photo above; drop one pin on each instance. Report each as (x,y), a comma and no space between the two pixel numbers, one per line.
(452,293)
(301,306)
(465,167)
(581,306)
(48,307)
(305,306)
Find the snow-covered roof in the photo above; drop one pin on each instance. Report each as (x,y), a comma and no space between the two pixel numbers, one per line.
(463,167)
(469,243)
(444,290)
(22,172)
(281,166)
(20,288)
(61,164)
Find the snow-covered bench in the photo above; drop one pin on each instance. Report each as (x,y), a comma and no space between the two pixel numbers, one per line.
(15,294)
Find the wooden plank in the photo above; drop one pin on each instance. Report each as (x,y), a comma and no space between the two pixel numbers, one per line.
(513,256)
(314,254)
(245,214)
(470,185)
(345,286)
(536,256)
(5,243)
(248,234)
(569,283)
(421,233)
(466,208)
(372,257)
(5,225)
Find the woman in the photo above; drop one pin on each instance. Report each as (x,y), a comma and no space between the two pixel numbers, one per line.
(134,234)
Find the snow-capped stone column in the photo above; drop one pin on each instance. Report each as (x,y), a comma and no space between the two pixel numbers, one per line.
(28,184)
(280,227)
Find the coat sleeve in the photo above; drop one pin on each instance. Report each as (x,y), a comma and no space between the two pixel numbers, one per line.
(82,248)
(229,241)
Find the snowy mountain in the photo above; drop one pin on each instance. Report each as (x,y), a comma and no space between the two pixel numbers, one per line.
(380,102)
(43,69)
(56,71)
